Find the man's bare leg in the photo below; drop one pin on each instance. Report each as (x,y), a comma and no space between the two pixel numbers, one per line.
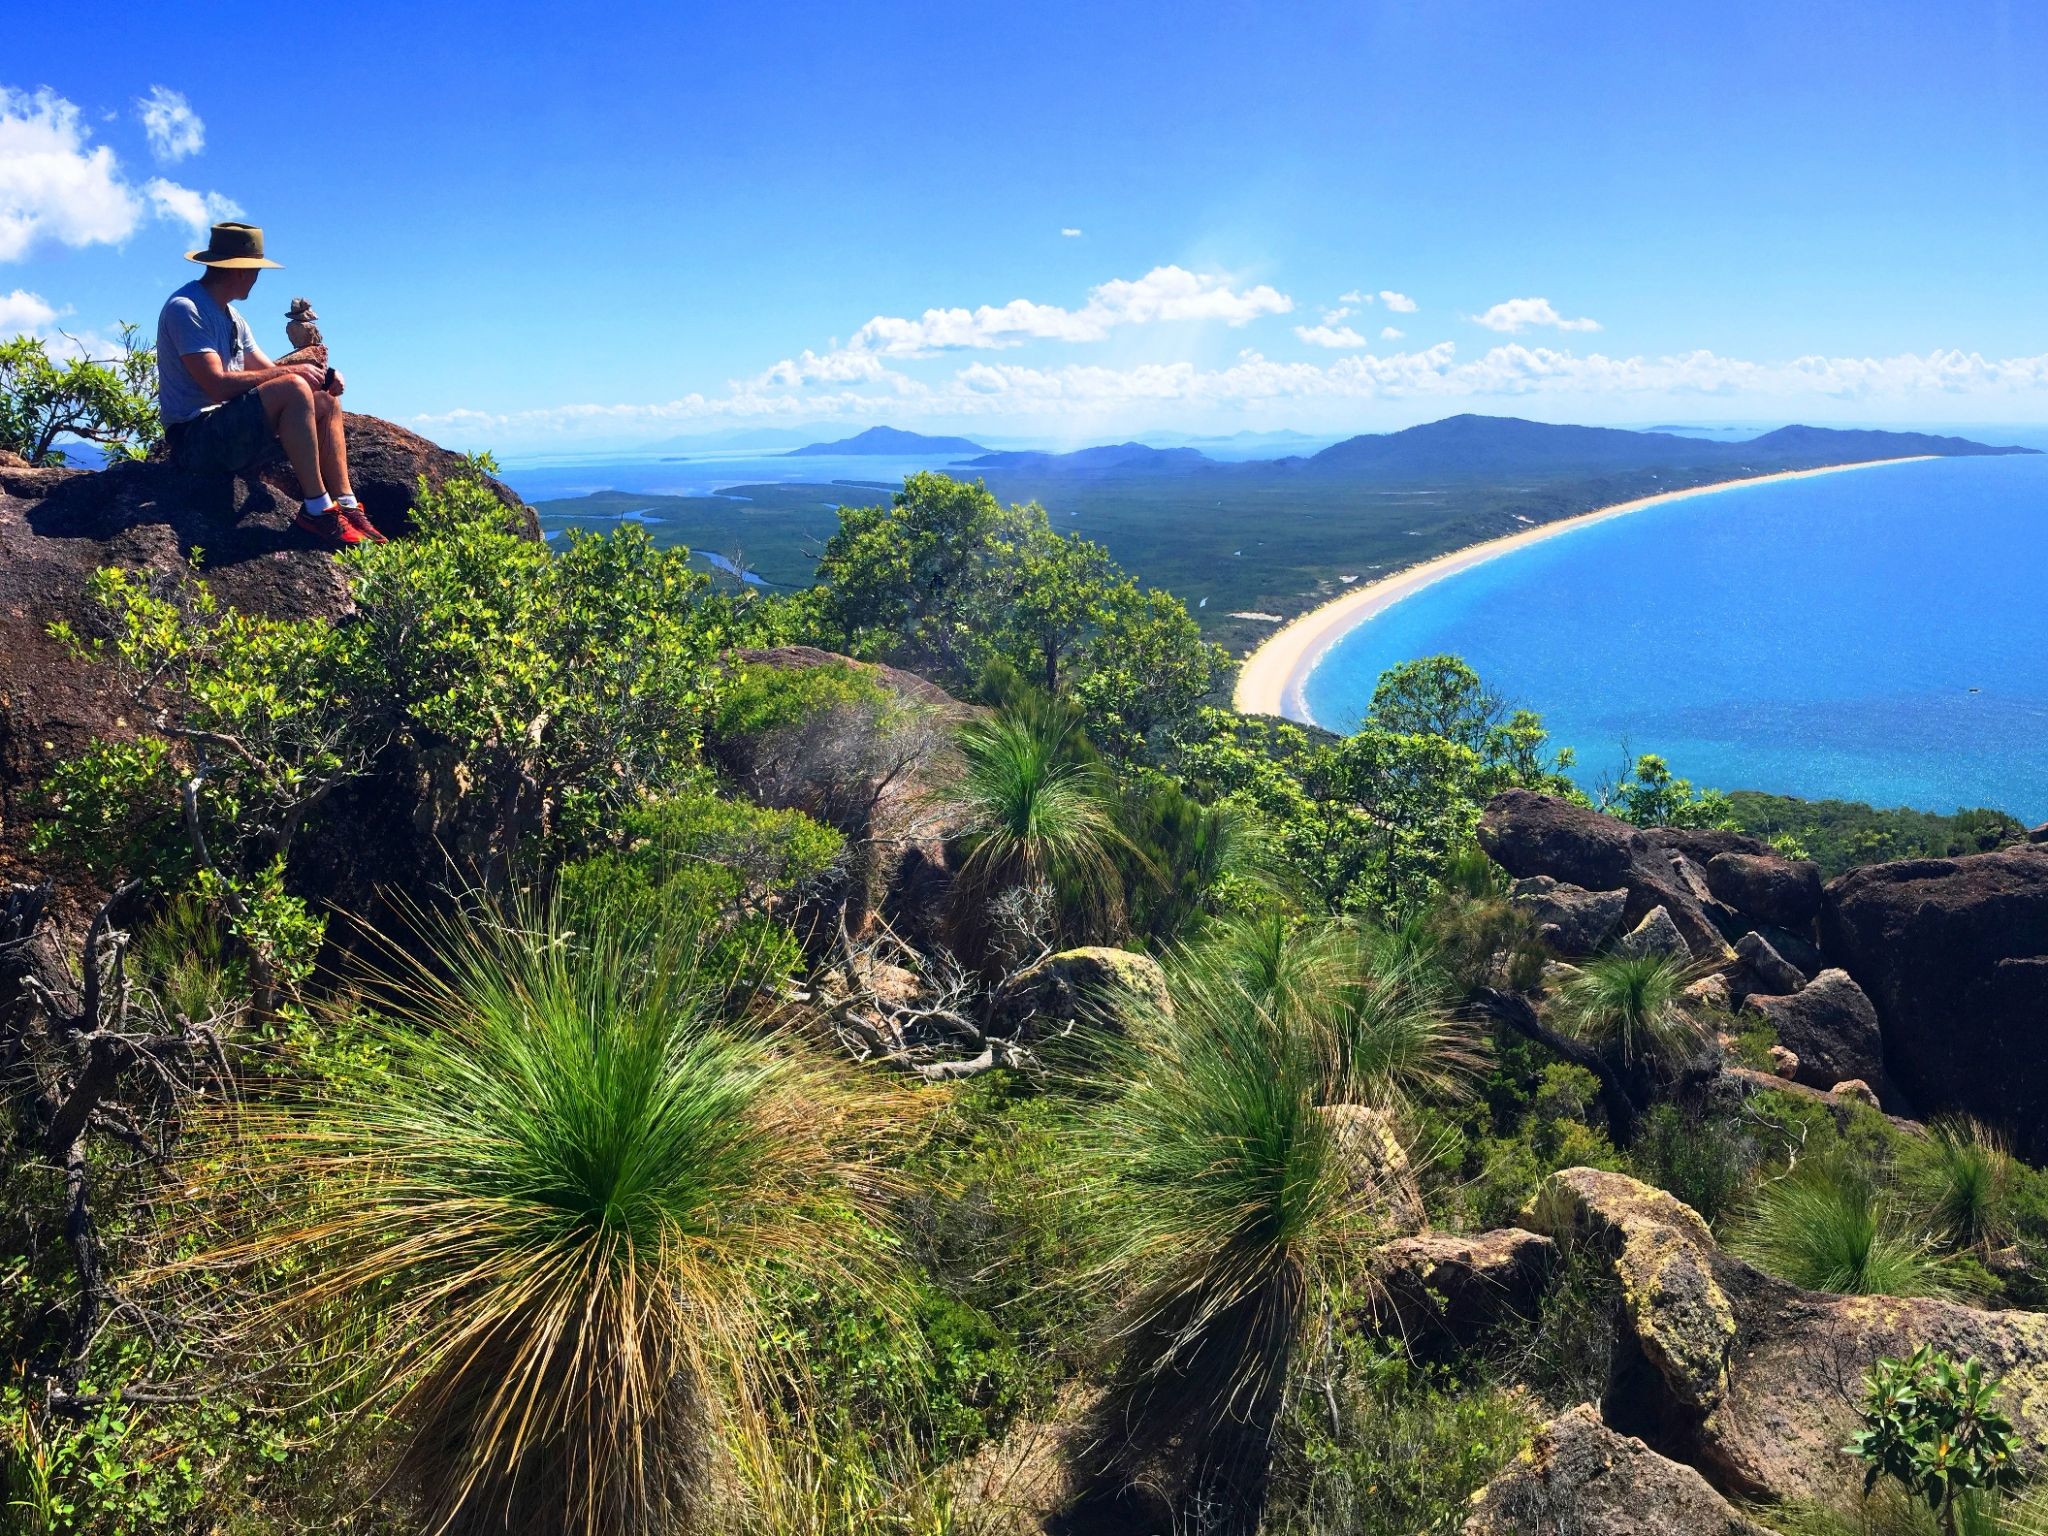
(333,445)
(288,407)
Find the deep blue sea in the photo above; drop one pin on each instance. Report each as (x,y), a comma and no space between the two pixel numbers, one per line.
(1877,635)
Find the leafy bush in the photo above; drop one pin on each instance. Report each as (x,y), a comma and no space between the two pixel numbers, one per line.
(1703,1160)
(1931,1426)
(110,401)
(1383,1447)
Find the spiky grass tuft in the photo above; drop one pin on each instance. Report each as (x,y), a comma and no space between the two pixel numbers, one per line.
(1964,1178)
(556,1209)
(1633,1006)
(1829,1226)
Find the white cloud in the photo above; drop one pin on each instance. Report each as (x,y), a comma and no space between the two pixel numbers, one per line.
(1332,316)
(22,313)
(1391,333)
(1399,303)
(195,210)
(1164,293)
(1070,232)
(1354,297)
(1329,335)
(174,129)
(54,184)
(1513,315)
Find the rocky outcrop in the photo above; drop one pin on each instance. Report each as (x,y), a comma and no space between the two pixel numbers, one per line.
(1570,920)
(1092,988)
(879,770)
(1830,1026)
(1763,969)
(1783,892)
(1657,934)
(1529,834)
(58,526)
(1751,1380)
(1953,953)
(1580,1477)
(1440,1293)
(1377,1164)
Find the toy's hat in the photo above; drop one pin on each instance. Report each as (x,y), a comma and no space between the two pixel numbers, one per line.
(233,245)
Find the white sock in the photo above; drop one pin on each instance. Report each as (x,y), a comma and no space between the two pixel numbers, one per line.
(347,499)
(321,505)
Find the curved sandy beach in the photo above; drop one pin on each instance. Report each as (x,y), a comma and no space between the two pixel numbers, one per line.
(1272,678)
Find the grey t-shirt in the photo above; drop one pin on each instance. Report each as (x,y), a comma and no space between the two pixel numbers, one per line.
(193,322)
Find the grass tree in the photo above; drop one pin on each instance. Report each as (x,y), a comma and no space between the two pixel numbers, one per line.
(1039,814)
(1372,1005)
(1231,1213)
(548,1221)
(1962,1176)
(1830,1225)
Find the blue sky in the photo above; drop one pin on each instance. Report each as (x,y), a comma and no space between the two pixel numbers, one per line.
(527,226)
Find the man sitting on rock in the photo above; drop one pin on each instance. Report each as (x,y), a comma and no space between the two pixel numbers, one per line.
(223,401)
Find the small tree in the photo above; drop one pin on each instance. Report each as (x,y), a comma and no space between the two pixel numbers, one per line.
(111,402)
(1930,1424)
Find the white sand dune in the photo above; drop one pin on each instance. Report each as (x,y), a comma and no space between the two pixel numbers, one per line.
(1273,676)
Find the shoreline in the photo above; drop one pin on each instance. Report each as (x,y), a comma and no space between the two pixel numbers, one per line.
(1272,679)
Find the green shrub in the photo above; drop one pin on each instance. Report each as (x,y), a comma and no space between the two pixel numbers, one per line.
(1931,1426)
(1383,1447)
(761,699)
(1703,1160)
(1633,1007)
(1963,1178)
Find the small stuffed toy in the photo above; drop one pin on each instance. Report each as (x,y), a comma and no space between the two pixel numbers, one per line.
(303,333)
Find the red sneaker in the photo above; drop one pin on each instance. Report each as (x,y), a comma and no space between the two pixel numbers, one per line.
(359,520)
(326,526)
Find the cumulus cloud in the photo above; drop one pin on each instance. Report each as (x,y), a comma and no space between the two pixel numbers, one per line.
(174,129)
(1070,232)
(1329,334)
(1391,333)
(23,313)
(55,184)
(195,210)
(1399,303)
(1164,293)
(1354,297)
(1513,315)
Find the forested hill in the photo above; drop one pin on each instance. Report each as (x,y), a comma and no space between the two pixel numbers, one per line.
(887,440)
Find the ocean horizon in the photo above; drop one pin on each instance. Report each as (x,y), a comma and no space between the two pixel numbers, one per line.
(1876,636)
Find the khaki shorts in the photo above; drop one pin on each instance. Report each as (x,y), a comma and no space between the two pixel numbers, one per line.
(224,440)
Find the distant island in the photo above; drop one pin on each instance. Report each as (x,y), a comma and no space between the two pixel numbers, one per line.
(887,440)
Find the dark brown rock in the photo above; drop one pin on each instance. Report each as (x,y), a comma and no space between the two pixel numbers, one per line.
(1703,844)
(1572,921)
(1767,888)
(1764,969)
(1953,953)
(1530,834)
(1830,1025)
(1441,1293)
(1580,1478)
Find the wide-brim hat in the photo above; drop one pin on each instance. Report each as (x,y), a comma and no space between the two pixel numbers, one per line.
(233,245)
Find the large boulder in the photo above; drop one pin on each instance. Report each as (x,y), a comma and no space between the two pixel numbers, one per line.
(880,770)
(1091,988)
(1763,969)
(58,526)
(1703,844)
(1572,921)
(1530,834)
(1441,1292)
(1751,1380)
(1656,934)
(1580,1478)
(1954,955)
(1766,888)
(1830,1025)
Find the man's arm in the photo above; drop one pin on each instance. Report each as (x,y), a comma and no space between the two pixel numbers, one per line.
(219,385)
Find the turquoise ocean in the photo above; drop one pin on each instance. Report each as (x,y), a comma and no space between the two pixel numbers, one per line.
(1877,635)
